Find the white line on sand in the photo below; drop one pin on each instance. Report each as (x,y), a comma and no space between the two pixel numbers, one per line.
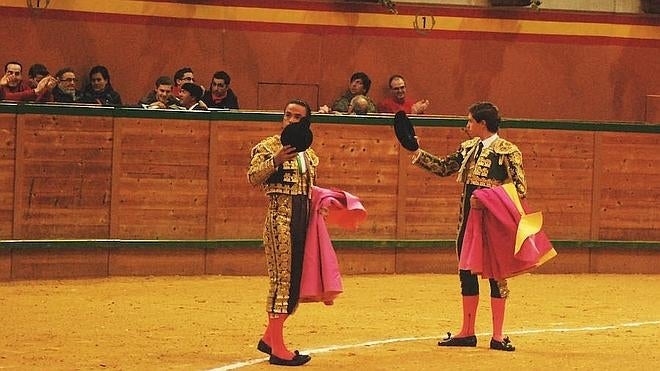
(333,348)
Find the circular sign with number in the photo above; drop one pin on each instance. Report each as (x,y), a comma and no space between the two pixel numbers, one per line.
(424,23)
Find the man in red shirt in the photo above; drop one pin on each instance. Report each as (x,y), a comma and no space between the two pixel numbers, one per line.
(398,100)
(14,88)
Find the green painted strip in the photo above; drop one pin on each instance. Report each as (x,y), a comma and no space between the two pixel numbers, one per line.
(8,107)
(165,114)
(626,127)
(371,119)
(644,245)
(65,109)
(250,243)
(246,116)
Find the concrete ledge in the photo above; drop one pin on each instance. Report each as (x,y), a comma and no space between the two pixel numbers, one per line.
(618,260)
(362,260)
(568,260)
(239,261)
(426,259)
(34,260)
(145,261)
(50,263)
(5,265)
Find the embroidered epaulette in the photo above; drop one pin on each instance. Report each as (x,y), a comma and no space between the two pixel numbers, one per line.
(273,143)
(470,143)
(504,147)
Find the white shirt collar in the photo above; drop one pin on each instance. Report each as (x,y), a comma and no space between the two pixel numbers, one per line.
(488,141)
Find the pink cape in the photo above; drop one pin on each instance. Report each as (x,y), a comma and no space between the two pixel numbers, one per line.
(321,279)
(502,240)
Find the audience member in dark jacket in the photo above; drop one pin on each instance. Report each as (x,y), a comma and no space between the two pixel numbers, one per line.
(65,91)
(99,89)
(220,95)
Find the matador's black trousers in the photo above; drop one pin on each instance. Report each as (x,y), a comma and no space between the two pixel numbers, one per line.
(469,281)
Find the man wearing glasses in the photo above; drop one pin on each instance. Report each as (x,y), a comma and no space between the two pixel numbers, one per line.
(66,91)
(220,95)
(14,88)
(398,101)
(182,76)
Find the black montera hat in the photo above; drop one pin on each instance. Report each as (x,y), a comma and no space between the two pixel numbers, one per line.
(405,132)
(298,135)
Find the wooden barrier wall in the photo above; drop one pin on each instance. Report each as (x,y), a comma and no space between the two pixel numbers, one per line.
(535,64)
(95,173)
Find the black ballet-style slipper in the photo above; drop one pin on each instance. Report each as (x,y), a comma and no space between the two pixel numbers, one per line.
(504,345)
(468,341)
(298,360)
(263,347)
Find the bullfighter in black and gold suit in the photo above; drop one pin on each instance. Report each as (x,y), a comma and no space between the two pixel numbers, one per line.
(485,161)
(286,176)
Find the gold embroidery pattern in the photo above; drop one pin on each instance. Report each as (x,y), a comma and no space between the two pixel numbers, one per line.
(511,158)
(294,182)
(277,226)
(504,289)
(485,172)
(497,164)
(439,166)
(277,245)
(261,163)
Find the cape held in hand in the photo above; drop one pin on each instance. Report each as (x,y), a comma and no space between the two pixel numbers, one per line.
(321,279)
(502,239)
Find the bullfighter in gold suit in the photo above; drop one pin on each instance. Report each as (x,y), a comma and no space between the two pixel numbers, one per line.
(286,173)
(485,161)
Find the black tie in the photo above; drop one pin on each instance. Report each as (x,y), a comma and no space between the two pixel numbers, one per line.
(479,148)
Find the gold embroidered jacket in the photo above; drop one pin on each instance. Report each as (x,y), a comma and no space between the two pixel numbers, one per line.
(497,164)
(288,177)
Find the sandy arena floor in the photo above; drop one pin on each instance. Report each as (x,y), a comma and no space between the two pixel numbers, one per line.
(381,322)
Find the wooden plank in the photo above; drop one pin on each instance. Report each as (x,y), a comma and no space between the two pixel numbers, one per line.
(161,183)
(7,171)
(168,155)
(213,176)
(70,230)
(63,123)
(5,264)
(144,261)
(85,169)
(89,138)
(62,262)
(626,199)
(237,261)
(162,230)
(19,190)
(624,261)
(64,184)
(115,177)
(597,176)
(185,189)
(164,171)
